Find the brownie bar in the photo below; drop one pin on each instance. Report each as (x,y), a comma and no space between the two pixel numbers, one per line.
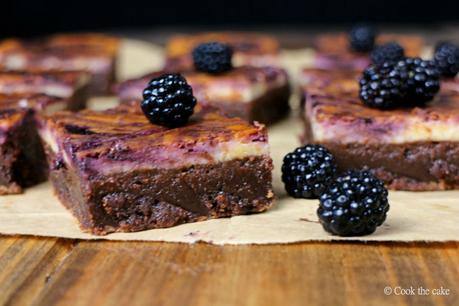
(410,149)
(333,50)
(71,86)
(251,93)
(248,49)
(22,158)
(94,53)
(116,172)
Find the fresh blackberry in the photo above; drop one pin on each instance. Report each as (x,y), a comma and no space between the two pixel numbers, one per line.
(168,100)
(212,57)
(423,80)
(362,38)
(446,58)
(389,52)
(307,171)
(355,204)
(383,86)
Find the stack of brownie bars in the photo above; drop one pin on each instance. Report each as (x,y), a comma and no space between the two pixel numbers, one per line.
(42,77)
(412,149)
(114,169)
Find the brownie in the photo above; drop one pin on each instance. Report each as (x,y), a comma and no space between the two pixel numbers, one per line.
(251,93)
(333,50)
(413,149)
(248,48)
(70,85)
(116,172)
(22,159)
(94,53)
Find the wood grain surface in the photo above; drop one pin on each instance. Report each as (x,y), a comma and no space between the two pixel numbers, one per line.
(49,271)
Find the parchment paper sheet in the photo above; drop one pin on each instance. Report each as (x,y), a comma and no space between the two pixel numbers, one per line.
(425,216)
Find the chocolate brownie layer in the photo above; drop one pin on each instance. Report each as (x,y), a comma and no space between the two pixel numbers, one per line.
(414,166)
(22,160)
(147,199)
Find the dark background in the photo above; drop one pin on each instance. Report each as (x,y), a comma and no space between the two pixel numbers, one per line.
(29,18)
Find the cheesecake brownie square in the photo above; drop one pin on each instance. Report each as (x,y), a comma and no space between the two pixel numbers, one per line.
(117,172)
(414,149)
(251,93)
(94,53)
(22,159)
(333,50)
(71,86)
(248,48)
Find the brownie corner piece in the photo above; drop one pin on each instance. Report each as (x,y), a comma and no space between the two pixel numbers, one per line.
(22,160)
(116,172)
(409,149)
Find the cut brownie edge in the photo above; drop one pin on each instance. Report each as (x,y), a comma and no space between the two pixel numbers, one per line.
(411,167)
(159,198)
(22,159)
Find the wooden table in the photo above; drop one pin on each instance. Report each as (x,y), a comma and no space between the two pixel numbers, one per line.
(50,271)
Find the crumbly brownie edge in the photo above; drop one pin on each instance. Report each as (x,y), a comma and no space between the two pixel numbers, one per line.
(160,198)
(23,162)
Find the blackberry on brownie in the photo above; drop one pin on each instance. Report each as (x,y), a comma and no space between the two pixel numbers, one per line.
(362,38)
(446,58)
(307,171)
(168,100)
(423,81)
(355,204)
(384,86)
(212,57)
(389,52)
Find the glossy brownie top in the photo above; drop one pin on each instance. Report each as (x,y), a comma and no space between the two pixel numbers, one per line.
(122,139)
(59,52)
(348,120)
(338,44)
(332,82)
(241,84)
(59,84)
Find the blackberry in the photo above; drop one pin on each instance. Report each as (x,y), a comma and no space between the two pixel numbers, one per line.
(355,204)
(307,171)
(384,86)
(423,80)
(446,58)
(212,57)
(389,52)
(362,38)
(168,100)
